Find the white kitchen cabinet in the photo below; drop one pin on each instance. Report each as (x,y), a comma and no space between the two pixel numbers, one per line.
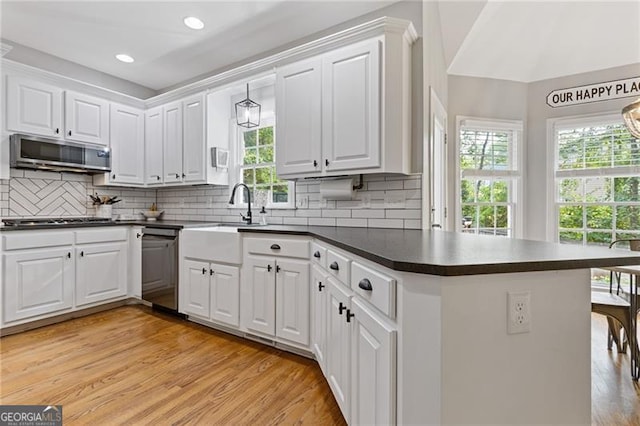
(299,117)
(292,300)
(319,316)
(339,345)
(34,107)
(37,282)
(259,301)
(365,114)
(172,143)
(351,107)
(127,147)
(193,150)
(134,288)
(86,118)
(225,294)
(373,366)
(101,272)
(154,145)
(211,291)
(196,288)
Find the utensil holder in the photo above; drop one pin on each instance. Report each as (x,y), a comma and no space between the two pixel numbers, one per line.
(104,211)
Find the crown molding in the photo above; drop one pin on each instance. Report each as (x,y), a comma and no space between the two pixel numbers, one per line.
(377,27)
(4,49)
(67,83)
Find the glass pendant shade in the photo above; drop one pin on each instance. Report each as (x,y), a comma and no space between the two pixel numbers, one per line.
(248,112)
(631,115)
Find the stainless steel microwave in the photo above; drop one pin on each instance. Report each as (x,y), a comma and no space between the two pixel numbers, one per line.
(35,152)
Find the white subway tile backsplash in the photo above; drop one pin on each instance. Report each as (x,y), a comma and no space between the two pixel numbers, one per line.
(32,193)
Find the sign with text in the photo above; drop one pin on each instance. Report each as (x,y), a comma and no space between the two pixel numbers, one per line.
(595,92)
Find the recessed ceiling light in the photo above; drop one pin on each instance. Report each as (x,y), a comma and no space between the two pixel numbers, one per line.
(193,23)
(124,58)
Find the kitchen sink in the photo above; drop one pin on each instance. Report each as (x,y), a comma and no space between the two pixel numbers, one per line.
(214,243)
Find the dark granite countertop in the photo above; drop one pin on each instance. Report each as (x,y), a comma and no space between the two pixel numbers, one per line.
(427,252)
(451,253)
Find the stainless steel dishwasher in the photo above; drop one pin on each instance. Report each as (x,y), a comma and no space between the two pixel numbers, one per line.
(160,267)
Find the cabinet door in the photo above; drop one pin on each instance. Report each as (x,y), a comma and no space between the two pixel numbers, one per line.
(339,345)
(33,107)
(373,366)
(172,144)
(299,118)
(319,316)
(127,145)
(225,294)
(292,300)
(101,272)
(351,107)
(153,141)
(193,151)
(259,292)
(86,119)
(195,288)
(37,282)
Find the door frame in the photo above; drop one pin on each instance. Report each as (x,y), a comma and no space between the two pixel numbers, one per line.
(437,113)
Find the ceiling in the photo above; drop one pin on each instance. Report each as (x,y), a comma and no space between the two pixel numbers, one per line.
(514,40)
(537,40)
(166,52)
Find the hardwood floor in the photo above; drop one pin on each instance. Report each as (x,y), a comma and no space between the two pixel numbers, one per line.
(134,366)
(615,398)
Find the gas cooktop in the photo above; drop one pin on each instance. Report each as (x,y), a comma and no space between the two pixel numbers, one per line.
(41,221)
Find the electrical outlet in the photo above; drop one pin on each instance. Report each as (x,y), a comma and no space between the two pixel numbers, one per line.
(302,202)
(518,312)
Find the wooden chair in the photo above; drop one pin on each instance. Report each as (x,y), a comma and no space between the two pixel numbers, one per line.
(621,313)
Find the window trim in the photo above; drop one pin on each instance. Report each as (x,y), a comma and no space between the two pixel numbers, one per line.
(564,123)
(515,175)
(267,119)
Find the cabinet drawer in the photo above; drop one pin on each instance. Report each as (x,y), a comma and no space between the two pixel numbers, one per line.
(382,288)
(102,235)
(278,247)
(319,255)
(338,266)
(35,239)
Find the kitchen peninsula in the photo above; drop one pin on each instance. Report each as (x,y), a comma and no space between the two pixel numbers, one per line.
(441,299)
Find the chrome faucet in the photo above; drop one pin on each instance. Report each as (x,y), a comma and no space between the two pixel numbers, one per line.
(246,218)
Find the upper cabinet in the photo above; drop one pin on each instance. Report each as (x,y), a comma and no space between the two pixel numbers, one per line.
(193,143)
(127,147)
(153,151)
(346,111)
(86,119)
(172,142)
(34,107)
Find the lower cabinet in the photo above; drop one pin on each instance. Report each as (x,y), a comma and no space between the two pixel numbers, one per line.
(319,290)
(101,272)
(276,297)
(37,282)
(211,291)
(358,349)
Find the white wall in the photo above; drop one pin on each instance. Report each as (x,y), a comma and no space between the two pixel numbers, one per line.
(539,112)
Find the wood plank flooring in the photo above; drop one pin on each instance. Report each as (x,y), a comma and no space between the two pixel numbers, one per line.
(134,366)
(615,398)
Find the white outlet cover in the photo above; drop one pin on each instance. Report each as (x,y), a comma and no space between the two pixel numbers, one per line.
(518,312)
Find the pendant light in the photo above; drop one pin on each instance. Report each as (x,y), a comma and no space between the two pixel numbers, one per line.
(248,112)
(631,115)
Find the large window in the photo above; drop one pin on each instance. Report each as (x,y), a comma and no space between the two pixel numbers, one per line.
(489,178)
(257,169)
(597,181)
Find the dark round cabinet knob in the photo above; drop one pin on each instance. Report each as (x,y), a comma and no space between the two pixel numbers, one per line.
(57,130)
(177,176)
(113,176)
(334,266)
(69,132)
(275,247)
(316,255)
(315,163)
